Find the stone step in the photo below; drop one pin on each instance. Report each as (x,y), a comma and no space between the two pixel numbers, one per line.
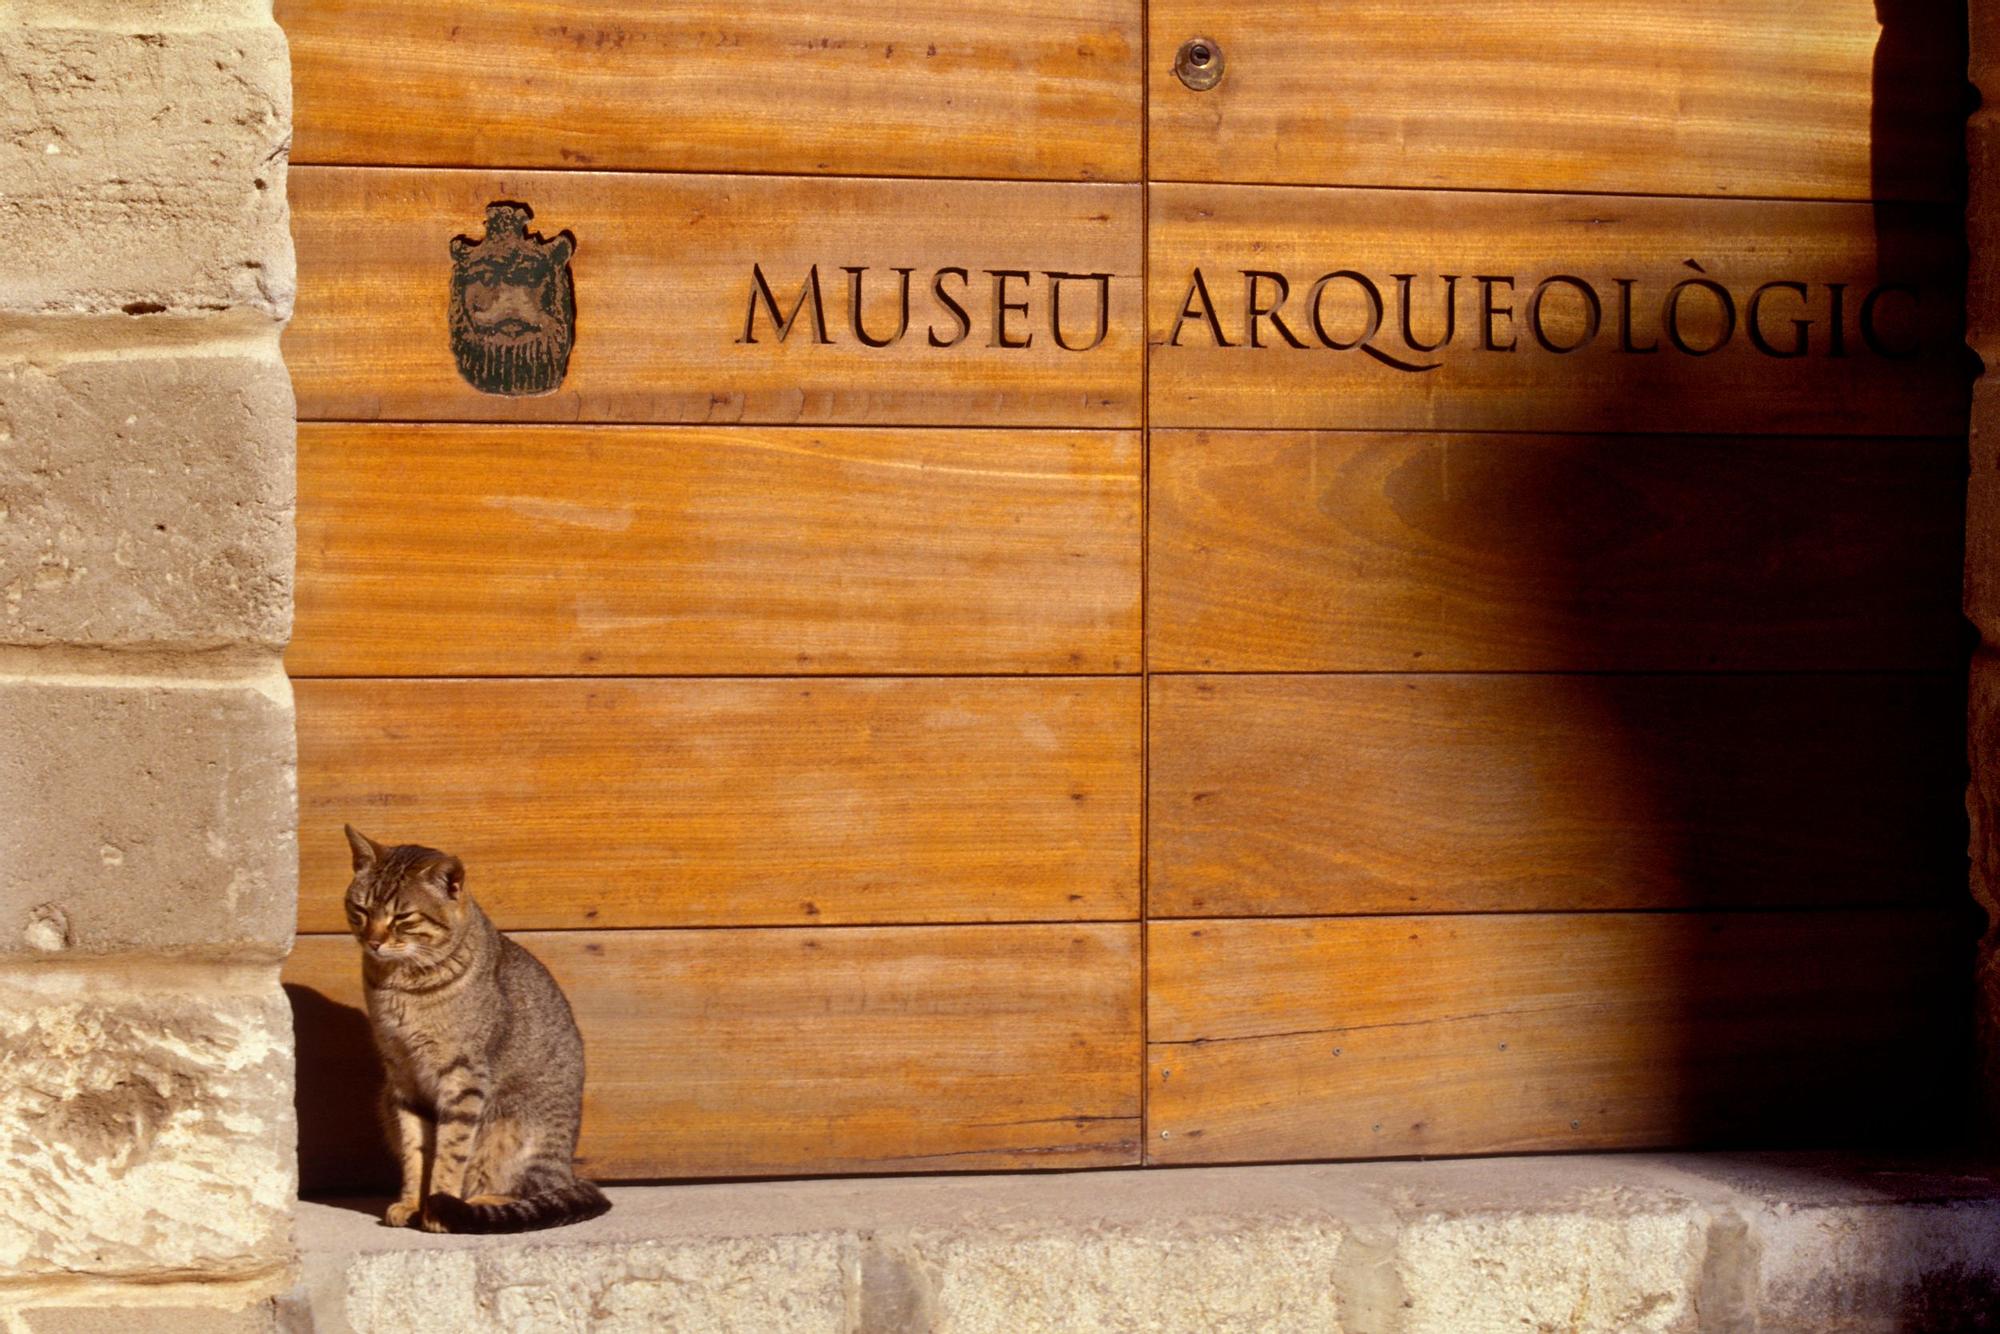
(1615,1243)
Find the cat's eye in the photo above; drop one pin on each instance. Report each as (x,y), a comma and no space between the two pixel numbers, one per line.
(405,920)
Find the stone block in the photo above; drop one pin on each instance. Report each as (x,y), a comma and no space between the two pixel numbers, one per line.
(1982,807)
(146,502)
(139,15)
(1215,1275)
(1982,225)
(540,1286)
(1984,55)
(1606,1270)
(1861,1269)
(149,817)
(143,173)
(260,1318)
(147,1118)
(1982,508)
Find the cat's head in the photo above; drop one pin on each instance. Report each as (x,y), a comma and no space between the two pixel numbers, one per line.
(406,904)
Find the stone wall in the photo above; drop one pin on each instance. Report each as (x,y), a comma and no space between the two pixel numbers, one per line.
(1982,537)
(147,797)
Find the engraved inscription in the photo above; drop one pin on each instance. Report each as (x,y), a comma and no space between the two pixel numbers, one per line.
(513,305)
(996,308)
(1409,323)
(1405,321)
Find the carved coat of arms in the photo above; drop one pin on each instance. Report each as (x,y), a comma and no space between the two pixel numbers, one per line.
(513,306)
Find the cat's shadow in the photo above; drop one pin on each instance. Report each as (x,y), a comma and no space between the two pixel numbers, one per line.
(341,1148)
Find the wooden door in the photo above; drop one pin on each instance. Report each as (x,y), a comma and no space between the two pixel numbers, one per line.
(1051,615)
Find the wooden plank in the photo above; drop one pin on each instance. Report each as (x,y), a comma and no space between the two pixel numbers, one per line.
(665,271)
(764,1052)
(1360,552)
(1837,99)
(1433,793)
(1381,1037)
(645,803)
(1012,88)
(564,550)
(1546,364)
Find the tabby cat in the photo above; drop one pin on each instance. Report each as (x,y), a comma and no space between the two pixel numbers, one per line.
(485,1066)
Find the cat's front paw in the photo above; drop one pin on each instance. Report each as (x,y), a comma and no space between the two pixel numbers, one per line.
(400,1213)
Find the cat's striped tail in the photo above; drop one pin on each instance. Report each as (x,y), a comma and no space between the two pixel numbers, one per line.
(573,1203)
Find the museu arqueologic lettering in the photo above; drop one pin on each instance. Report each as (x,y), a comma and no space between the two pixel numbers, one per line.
(1405,321)
(1347,310)
(1005,301)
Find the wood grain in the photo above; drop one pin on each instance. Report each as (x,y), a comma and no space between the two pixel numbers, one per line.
(1439,793)
(1390,1036)
(1360,552)
(1914,385)
(1838,99)
(763,1052)
(637,803)
(564,550)
(1014,88)
(664,272)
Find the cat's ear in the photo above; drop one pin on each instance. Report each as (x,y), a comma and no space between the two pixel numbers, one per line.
(366,851)
(452,876)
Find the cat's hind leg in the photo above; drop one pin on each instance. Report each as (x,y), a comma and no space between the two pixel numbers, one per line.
(498,1160)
